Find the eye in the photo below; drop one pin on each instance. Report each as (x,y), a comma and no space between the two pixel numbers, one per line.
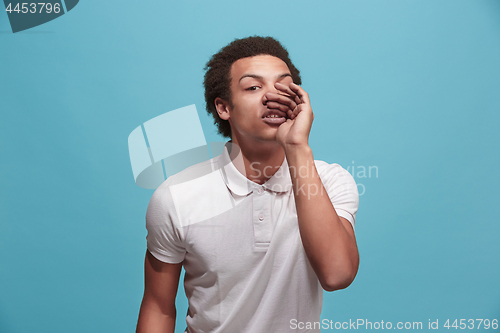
(252,88)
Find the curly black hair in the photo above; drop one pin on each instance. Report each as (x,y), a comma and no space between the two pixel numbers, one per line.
(217,80)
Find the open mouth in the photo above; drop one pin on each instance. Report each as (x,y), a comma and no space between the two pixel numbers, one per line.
(274,119)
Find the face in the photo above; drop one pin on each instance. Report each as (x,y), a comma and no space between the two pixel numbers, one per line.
(251,79)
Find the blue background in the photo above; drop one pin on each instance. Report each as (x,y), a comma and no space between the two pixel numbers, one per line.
(411,87)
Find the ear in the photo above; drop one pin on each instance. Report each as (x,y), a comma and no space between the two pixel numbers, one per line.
(222,108)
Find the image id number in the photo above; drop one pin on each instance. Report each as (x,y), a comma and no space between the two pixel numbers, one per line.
(471,324)
(34,8)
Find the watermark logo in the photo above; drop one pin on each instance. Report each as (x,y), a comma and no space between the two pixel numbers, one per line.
(26,15)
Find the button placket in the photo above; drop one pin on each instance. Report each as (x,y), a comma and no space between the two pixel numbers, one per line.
(261,218)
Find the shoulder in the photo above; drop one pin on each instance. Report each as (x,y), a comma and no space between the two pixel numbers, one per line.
(334,171)
(192,195)
(193,176)
(341,188)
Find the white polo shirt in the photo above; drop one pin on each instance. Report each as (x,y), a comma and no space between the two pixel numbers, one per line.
(246,269)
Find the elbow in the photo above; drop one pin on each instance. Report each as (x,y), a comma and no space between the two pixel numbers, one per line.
(336,285)
(337,281)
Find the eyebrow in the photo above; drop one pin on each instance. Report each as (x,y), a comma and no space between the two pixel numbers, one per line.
(258,77)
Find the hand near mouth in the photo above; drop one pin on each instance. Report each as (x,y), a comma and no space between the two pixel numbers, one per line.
(285,104)
(294,102)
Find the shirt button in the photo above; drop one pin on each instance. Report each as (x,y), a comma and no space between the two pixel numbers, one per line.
(260,190)
(261,217)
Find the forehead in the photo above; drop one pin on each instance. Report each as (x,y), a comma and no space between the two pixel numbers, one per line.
(262,65)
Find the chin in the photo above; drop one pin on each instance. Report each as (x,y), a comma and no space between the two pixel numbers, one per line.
(269,137)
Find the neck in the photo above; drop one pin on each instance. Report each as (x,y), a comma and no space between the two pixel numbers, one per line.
(258,161)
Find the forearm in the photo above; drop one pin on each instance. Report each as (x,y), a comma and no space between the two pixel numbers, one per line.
(153,320)
(331,250)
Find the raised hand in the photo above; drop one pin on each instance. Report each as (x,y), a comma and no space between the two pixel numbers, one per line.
(294,101)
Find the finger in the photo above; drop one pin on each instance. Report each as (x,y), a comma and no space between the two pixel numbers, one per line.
(301,93)
(285,100)
(278,106)
(295,112)
(286,89)
(287,114)
(300,108)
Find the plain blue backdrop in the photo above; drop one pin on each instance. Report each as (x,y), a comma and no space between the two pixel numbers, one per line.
(410,88)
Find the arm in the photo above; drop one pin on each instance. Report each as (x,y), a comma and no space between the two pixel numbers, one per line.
(157,313)
(328,239)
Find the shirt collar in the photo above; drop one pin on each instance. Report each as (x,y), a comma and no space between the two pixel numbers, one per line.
(242,186)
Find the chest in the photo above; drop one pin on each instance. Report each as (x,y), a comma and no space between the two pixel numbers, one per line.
(253,230)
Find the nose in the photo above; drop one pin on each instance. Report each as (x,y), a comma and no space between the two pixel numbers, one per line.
(269,89)
(273,89)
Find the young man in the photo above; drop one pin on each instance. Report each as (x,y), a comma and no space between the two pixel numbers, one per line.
(260,229)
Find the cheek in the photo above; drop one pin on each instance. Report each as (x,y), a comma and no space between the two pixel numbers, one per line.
(249,102)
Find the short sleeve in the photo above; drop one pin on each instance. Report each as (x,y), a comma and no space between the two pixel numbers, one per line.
(341,188)
(164,240)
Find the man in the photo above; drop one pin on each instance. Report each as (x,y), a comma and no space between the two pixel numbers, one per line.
(262,227)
